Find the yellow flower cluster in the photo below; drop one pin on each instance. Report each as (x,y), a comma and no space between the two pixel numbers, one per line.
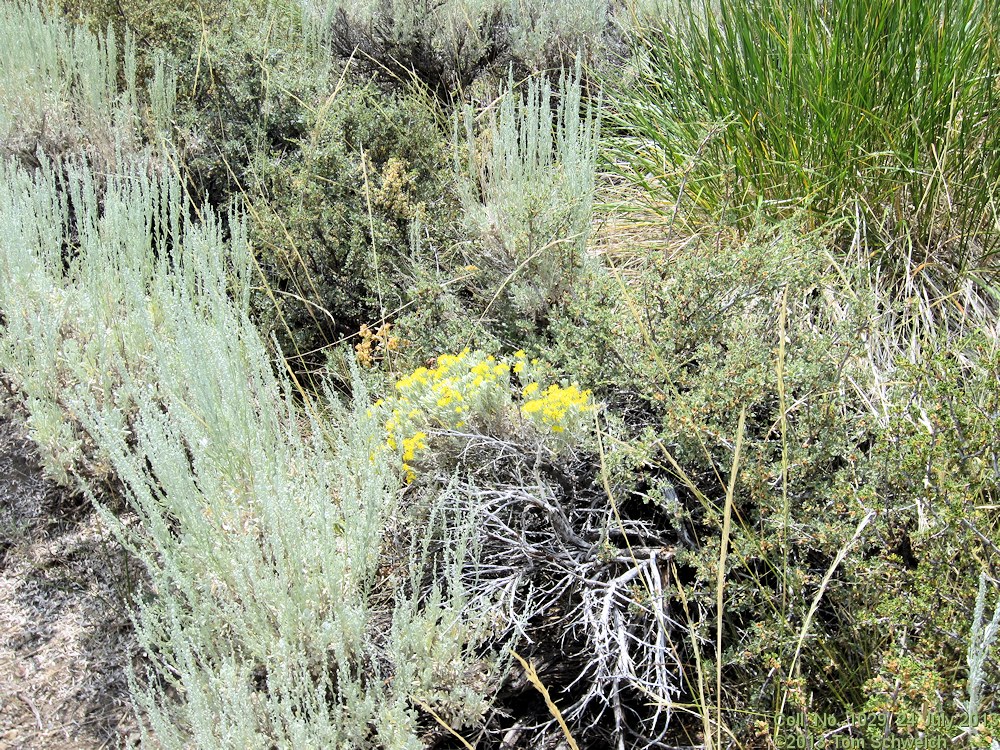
(556,408)
(416,442)
(444,397)
(471,386)
(444,392)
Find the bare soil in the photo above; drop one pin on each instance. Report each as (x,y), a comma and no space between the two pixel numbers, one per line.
(65,636)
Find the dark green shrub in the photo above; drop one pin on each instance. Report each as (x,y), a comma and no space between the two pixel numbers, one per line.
(678,351)
(335,217)
(934,468)
(246,73)
(171,26)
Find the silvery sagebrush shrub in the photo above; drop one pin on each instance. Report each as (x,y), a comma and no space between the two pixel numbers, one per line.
(63,88)
(269,618)
(448,45)
(543,32)
(527,186)
(981,638)
(62,295)
(58,75)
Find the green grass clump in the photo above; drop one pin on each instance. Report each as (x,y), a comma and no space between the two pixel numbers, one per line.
(884,110)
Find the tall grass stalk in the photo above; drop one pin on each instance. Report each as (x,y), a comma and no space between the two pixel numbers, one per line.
(532,675)
(721,579)
(814,605)
(783,425)
(703,710)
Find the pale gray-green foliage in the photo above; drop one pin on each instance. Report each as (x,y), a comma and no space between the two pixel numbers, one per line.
(60,93)
(59,84)
(125,333)
(981,639)
(528,184)
(61,336)
(272,618)
(540,27)
(462,32)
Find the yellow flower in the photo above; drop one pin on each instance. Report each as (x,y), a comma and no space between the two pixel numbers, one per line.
(555,405)
(412,444)
(445,395)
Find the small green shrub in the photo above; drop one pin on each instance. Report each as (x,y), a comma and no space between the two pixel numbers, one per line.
(838,426)
(252,83)
(336,218)
(931,464)
(166,26)
(247,73)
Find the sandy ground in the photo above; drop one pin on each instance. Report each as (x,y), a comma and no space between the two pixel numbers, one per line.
(65,636)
